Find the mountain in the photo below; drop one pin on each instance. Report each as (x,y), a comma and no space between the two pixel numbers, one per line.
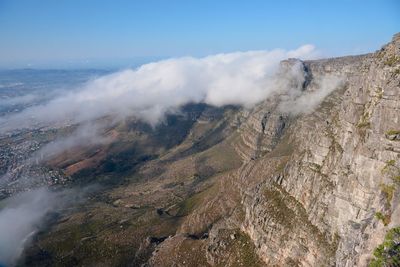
(233,186)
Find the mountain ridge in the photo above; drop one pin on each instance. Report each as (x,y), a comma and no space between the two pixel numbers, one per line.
(252,187)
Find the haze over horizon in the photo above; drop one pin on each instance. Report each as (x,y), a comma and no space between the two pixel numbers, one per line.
(199,133)
(90,34)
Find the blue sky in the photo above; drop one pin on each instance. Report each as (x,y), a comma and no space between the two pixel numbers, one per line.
(92,33)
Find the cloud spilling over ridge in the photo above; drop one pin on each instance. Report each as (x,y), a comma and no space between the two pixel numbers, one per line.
(306,102)
(23,214)
(152,90)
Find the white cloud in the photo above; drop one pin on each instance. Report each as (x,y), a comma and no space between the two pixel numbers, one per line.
(24,214)
(84,135)
(306,102)
(12,101)
(21,218)
(241,78)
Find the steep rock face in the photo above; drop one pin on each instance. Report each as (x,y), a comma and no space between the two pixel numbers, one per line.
(291,182)
(316,188)
(319,208)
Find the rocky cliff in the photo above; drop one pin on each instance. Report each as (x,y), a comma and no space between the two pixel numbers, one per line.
(261,187)
(337,190)
(322,188)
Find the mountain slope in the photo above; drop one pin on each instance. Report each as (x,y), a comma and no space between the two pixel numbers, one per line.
(256,187)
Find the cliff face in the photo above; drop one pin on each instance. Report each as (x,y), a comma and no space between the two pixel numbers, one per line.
(337,170)
(315,187)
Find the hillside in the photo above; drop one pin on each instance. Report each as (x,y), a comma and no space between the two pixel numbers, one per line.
(231,186)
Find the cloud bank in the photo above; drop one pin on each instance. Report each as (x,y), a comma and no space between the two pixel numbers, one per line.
(152,90)
(149,92)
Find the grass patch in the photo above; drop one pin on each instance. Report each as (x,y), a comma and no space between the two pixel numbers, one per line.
(393,132)
(186,206)
(364,124)
(388,191)
(384,218)
(315,167)
(391,162)
(281,166)
(396,178)
(364,121)
(247,256)
(390,165)
(189,204)
(379,92)
(238,250)
(278,209)
(284,148)
(391,61)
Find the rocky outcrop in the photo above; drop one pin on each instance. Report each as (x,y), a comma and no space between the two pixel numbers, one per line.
(322,206)
(317,188)
(304,179)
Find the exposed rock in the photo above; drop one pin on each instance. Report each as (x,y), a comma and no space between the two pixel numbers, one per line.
(262,186)
(333,178)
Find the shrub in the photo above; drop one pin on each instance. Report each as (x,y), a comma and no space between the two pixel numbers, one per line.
(364,124)
(391,61)
(393,132)
(388,191)
(384,218)
(388,253)
(390,162)
(379,92)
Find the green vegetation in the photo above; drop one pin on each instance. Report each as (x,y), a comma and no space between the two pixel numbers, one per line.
(390,162)
(278,209)
(388,253)
(391,61)
(385,218)
(364,120)
(281,166)
(284,148)
(388,191)
(393,132)
(380,54)
(189,204)
(216,157)
(239,248)
(390,165)
(105,237)
(364,124)
(186,206)
(379,92)
(392,170)
(315,167)
(190,253)
(247,252)
(283,209)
